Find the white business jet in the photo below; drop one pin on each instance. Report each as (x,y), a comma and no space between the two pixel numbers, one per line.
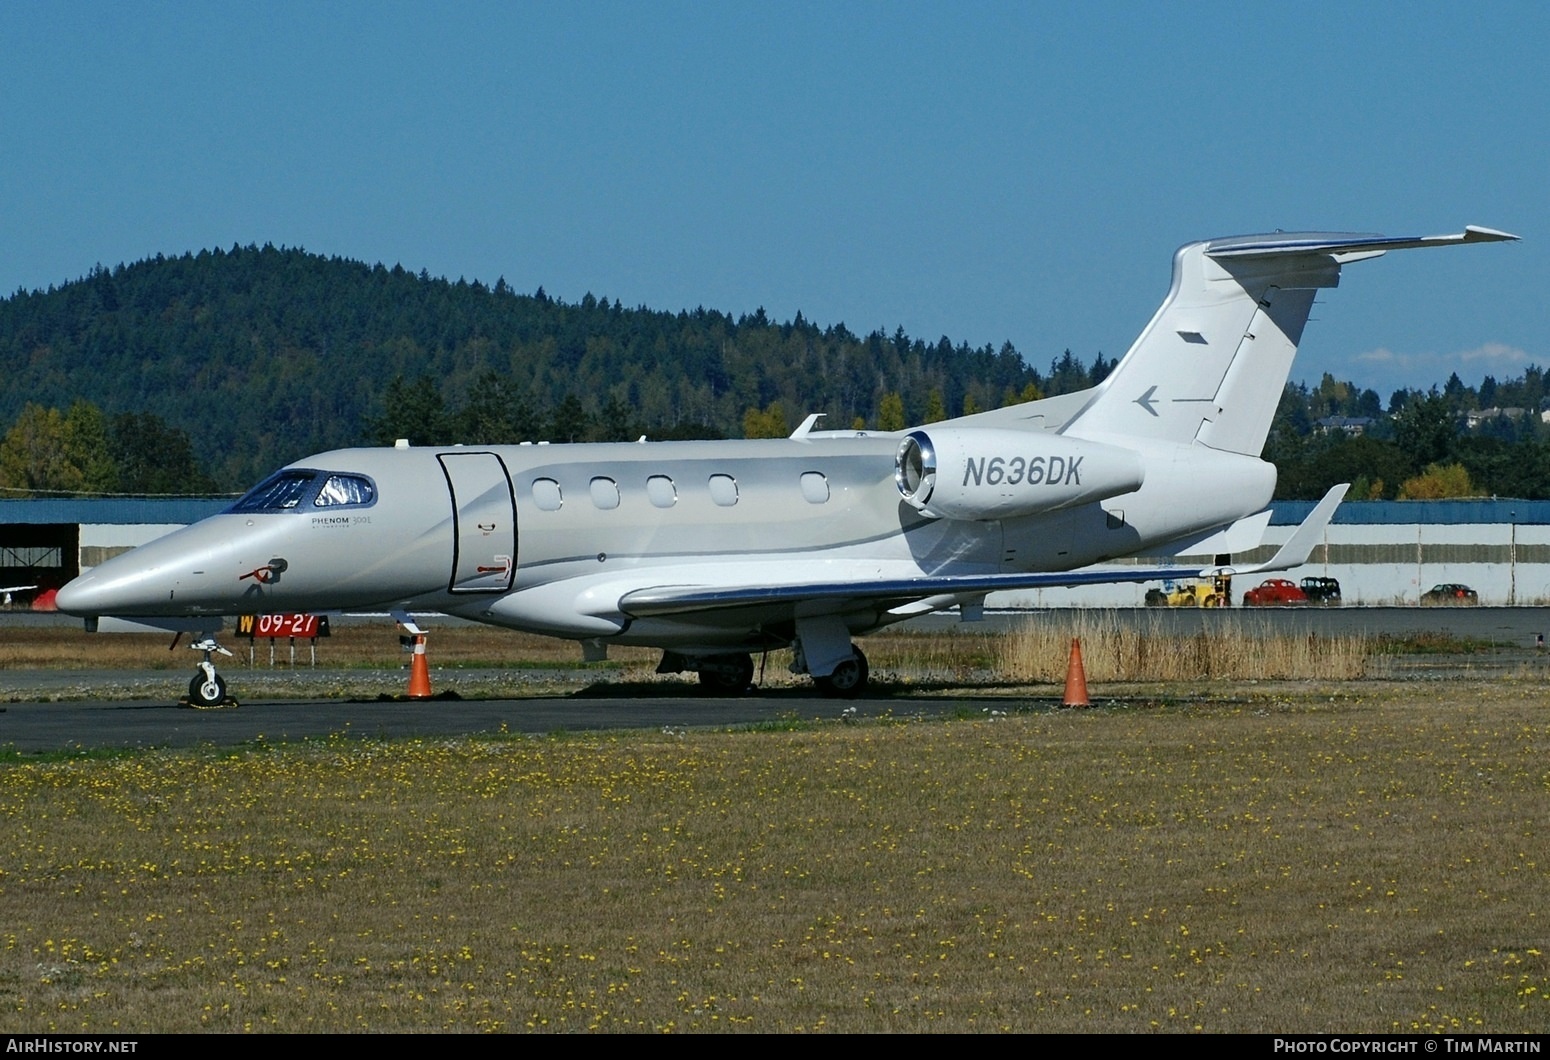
(716,550)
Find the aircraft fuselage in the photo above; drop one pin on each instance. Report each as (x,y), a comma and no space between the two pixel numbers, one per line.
(549,538)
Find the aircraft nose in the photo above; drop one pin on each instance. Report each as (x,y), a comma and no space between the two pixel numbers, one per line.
(169,576)
(78,597)
(109,592)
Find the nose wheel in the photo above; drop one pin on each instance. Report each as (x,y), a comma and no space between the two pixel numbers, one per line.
(207,688)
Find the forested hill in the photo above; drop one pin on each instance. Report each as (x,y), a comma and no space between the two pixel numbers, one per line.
(263,355)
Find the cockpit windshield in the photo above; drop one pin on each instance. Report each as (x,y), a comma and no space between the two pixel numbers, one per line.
(290,490)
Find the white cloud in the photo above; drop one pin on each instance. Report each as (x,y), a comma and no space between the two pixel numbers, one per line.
(1497,354)
(1491,358)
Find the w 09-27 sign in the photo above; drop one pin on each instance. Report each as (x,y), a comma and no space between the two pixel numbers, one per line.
(308,627)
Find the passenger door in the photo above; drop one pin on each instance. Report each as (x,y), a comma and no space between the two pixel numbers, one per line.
(484,516)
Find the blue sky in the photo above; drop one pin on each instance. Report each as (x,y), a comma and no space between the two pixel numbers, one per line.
(988,171)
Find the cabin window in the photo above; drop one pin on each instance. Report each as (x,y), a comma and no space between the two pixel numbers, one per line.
(815,487)
(546,495)
(661,491)
(345,489)
(605,493)
(723,490)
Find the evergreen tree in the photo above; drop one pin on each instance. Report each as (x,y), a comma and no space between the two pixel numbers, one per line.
(154,458)
(496,414)
(414,411)
(1426,429)
(569,422)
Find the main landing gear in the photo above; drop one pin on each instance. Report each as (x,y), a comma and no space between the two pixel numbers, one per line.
(824,651)
(841,672)
(728,674)
(207,688)
(849,678)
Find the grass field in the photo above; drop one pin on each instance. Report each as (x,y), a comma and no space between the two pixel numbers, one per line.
(1364,856)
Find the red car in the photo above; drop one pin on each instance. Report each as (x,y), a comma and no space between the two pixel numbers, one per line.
(1275,592)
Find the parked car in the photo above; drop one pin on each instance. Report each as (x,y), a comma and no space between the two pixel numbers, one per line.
(1275,592)
(1322,591)
(1450,594)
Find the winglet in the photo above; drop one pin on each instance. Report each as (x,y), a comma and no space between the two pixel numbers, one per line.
(806,426)
(1304,539)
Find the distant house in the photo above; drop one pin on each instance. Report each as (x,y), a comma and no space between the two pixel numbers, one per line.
(1352,425)
(1480,416)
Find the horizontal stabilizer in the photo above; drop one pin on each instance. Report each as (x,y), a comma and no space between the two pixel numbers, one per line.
(1342,243)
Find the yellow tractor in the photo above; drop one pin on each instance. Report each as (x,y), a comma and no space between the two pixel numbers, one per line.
(1198,592)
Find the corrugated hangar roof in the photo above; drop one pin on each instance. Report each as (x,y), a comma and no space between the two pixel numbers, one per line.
(110,511)
(1430,513)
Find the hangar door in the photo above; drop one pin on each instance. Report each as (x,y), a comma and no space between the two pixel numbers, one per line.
(484,521)
(43,554)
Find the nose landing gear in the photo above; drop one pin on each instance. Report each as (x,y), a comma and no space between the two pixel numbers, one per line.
(207,688)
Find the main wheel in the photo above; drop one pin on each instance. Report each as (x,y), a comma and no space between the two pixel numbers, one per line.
(207,691)
(848,679)
(727,675)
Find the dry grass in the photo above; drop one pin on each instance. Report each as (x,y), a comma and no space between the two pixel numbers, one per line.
(1035,653)
(1366,864)
(351,646)
(1237,649)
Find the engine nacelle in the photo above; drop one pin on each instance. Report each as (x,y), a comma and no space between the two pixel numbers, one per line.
(992,473)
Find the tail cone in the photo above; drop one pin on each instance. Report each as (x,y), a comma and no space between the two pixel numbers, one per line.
(1076,678)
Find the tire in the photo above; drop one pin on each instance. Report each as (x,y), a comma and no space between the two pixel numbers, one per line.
(1214,600)
(727,675)
(848,680)
(207,691)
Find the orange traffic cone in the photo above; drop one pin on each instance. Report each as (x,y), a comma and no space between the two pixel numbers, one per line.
(419,671)
(1076,678)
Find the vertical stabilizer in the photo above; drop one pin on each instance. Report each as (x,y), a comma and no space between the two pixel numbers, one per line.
(1212,363)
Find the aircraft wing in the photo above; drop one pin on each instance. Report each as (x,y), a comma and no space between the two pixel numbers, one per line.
(885,594)
(888,593)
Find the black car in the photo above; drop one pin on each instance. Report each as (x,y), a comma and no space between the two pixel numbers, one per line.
(1450,595)
(1322,592)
